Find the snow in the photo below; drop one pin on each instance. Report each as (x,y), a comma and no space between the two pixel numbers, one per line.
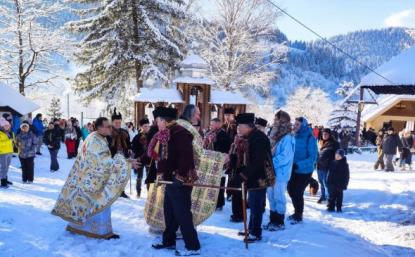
(378,221)
(195,61)
(400,71)
(155,95)
(384,103)
(193,80)
(13,99)
(227,97)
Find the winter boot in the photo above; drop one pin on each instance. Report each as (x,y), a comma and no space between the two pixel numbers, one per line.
(124,195)
(114,236)
(187,252)
(252,239)
(4,183)
(272,221)
(8,182)
(295,219)
(280,221)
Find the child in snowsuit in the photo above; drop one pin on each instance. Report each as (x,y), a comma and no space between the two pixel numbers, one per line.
(338,180)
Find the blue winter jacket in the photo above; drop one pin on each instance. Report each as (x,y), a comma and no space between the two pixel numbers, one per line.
(38,124)
(306,151)
(283,158)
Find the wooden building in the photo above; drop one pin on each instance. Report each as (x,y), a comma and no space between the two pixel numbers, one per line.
(191,86)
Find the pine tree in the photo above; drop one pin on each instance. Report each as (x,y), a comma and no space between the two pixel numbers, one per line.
(125,40)
(54,110)
(344,114)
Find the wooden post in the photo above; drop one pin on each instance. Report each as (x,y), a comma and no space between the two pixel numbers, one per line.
(244,214)
(359,117)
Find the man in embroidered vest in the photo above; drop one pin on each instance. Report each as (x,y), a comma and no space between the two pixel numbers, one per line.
(216,139)
(173,145)
(95,181)
(254,174)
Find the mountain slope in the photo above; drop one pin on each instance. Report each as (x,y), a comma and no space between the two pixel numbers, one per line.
(317,64)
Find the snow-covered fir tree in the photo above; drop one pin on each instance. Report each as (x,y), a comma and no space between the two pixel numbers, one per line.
(55,108)
(344,114)
(311,103)
(126,40)
(30,42)
(235,43)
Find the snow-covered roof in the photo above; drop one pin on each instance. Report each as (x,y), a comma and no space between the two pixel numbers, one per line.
(14,100)
(193,80)
(227,97)
(194,71)
(155,95)
(384,103)
(194,61)
(400,71)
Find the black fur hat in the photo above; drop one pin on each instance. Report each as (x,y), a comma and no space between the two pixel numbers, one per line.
(229,111)
(115,115)
(144,121)
(245,118)
(165,112)
(261,122)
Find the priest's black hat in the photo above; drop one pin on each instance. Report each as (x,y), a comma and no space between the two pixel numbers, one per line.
(229,111)
(245,118)
(165,112)
(144,121)
(261,122)
(115,115)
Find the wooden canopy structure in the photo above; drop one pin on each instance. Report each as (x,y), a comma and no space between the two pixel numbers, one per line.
(396,77)
(395,110)
(191,86)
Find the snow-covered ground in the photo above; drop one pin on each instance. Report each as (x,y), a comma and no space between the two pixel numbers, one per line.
(378,220)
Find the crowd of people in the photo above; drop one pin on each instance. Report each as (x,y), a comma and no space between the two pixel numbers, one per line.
(390,145)
(269,163)
(269,159)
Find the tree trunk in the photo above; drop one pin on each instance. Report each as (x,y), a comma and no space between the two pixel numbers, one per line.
(20,39)
(137,65)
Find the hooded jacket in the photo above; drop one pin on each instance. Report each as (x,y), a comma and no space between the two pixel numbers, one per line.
(283,158)
(305,155)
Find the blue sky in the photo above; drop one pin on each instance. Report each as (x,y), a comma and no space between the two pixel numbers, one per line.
(333,17)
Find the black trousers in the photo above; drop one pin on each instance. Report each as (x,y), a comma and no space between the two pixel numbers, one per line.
(336,197)
(256,199)
(54,164)
(296,187)
(139,180)
(236,198)
(221,196)
(177,204)
(28,166)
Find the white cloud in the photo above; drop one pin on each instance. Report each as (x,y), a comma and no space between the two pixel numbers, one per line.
(404,18)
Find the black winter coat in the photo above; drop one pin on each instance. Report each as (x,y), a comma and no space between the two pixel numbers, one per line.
(53,137)
(391,143)
(326,153)
(259,148)
(223,142)
(339,174)
(152,169)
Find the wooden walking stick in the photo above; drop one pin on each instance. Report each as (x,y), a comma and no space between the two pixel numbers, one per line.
(244,214)
(131,181)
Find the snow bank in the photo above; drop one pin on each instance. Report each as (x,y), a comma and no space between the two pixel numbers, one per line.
(377,204)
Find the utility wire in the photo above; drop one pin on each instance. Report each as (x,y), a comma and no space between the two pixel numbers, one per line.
(327,41)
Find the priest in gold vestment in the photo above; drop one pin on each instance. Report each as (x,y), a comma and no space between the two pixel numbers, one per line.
(95,181)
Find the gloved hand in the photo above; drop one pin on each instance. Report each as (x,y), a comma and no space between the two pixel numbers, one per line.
(295,167)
